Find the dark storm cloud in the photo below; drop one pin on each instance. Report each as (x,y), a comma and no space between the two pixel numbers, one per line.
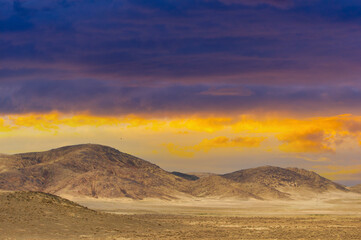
(188,46)
(276,3)
(99,97)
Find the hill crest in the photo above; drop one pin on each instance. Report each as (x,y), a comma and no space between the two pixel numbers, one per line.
(289,181)
(101,171)
(90,170)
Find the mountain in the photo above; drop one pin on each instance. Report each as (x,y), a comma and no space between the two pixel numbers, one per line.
(356,188)
(217,186)
(100,171)
(90,170)
(270,182)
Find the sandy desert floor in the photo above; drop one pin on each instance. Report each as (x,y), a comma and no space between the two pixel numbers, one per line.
(331,204)
(333,217)
(191,227)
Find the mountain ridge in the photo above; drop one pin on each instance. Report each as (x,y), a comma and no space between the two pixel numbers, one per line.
(100,171)
(90,170)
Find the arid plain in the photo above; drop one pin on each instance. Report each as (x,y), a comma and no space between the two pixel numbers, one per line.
(41,216)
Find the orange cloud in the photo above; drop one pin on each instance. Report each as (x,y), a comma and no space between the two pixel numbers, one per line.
(53,121)
(208,125)
(218,142)
(277,125)
(180,151)
(4,127)
(223,142)
(333,172)
(310,135)
(311,140)
(313,159)
(308,139)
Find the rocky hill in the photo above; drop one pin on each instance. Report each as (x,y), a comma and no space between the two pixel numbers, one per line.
(90,170)
(217,186)
(274,182)
(100,171)
(356,188)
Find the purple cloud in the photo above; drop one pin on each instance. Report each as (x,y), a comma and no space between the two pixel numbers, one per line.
(276,3)
(111,98)
(192,50)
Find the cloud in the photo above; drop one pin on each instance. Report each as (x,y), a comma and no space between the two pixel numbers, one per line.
(208,125)
(54,121)
(314,135)
(228,91)
(218,142)
(224,142)
(14,24)
(311,140)
(319,134)
(182,42)
(179,151)
(276,3)
(340,172)
(5,126)
(309,158)
(113,98)
(321,139)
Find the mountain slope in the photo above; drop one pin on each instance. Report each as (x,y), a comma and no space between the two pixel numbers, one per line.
(35,215)
(268,182)
(217,186)
(100,171)
(90,170)
(356,188)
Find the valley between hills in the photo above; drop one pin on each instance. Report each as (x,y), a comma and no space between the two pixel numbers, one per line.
(96,192)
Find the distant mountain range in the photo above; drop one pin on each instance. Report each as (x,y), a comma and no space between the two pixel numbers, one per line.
(100,171)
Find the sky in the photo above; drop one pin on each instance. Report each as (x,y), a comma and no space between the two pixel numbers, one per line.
(191,85)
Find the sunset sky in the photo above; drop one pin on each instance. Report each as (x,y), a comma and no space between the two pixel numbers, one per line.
(190,85)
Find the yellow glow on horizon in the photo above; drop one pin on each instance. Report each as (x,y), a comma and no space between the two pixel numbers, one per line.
(5,127)
(53,121)
(208,125)
(309,140)
(218,142)
(334,172)
(312,135)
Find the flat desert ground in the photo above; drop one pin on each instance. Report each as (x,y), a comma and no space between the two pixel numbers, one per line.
(329,217)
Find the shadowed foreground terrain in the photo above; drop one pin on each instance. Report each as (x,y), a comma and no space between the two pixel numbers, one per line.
(33,215)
